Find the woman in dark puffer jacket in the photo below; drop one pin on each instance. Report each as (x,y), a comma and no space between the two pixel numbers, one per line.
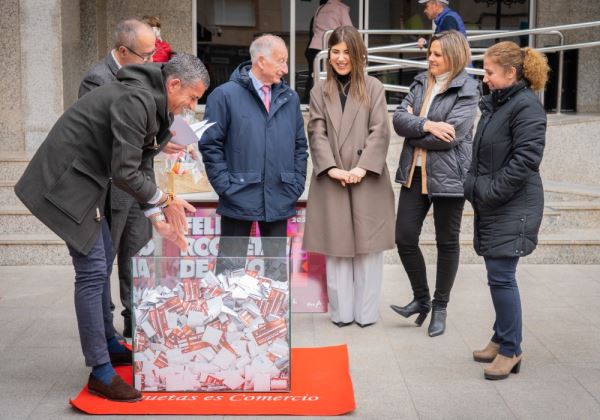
(505,188)
(436,118)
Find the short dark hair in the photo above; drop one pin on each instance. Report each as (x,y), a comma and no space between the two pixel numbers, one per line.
(188,68)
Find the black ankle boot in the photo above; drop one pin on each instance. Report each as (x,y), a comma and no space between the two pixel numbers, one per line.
(421,307)
(437,326)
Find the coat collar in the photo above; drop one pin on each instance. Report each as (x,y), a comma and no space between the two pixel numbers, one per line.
(342,120)
(111,63)
(502,96)
(458,82)
(242,77)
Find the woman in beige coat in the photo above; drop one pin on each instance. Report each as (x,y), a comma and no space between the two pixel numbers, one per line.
(350,210)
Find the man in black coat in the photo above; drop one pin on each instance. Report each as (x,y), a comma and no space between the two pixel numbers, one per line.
(110,135)
(134,43)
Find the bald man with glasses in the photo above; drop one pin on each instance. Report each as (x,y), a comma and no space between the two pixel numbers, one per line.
(134,42)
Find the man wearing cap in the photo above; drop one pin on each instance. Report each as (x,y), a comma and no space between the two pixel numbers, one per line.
(444,18)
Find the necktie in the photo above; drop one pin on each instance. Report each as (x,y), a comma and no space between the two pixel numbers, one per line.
(267,96)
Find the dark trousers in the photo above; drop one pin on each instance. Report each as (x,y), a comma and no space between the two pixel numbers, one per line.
(128,230)
(310,55)
(507,303)
(92,297)
(447,215)
(234,243)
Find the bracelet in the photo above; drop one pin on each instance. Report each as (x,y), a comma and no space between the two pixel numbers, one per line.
(157,217)
(168,200)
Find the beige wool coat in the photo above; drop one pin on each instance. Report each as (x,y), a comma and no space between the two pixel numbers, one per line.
(358,218)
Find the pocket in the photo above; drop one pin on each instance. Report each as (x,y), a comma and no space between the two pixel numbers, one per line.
(289,179)
(77,190)
(241,186)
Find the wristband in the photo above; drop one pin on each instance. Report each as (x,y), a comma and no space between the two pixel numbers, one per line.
(168,200)
(157,217)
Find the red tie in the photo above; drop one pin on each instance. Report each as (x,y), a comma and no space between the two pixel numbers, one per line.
(267,96)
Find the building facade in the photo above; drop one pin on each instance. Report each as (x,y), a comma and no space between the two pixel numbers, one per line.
(49,44)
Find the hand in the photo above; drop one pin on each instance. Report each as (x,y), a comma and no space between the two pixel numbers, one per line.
(409,109)
(173,148)
(357,174)
(175,214)
(167,231)
(421,42)
(339,174)
(192,152)
(441,130)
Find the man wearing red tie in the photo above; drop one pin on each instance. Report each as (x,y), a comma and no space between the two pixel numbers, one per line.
(255,155)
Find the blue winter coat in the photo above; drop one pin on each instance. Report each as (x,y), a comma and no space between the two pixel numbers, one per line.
(255,161)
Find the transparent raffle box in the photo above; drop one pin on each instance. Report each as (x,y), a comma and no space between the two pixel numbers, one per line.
(215,323)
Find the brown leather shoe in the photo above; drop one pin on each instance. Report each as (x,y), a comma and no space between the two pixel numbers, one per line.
(488,354)
(118,390)
(503,366)
(121,358)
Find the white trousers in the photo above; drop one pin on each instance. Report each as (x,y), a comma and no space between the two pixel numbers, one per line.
(354,286)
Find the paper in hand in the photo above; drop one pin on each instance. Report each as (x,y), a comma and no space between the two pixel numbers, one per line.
(185,133)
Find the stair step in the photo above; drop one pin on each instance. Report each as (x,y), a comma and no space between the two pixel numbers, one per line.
(567,191)
(13,164)
(19,220)
(33,249)
(570,246)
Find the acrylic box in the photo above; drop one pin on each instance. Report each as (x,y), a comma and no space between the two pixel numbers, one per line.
(215,323)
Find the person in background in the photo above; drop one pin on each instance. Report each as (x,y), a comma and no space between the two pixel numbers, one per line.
(436,119)
(350,208)
(110,135)
(163,50)
(505,188)
(329,15)
(444,18)
(255,155)
(130,229)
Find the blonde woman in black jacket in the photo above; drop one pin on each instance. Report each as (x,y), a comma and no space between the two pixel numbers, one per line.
(436,118)
(505,188)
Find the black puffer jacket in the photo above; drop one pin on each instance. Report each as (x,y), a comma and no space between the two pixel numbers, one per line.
(503,183)
(447,163)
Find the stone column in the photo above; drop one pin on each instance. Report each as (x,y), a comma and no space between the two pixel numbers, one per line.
(41,68)
(11,119)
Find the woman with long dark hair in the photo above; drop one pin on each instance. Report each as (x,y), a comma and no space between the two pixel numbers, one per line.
(350,209)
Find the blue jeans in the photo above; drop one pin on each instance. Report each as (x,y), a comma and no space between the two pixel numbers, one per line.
(507,303)
(92,297)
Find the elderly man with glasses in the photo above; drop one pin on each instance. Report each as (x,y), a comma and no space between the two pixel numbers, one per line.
(134,43)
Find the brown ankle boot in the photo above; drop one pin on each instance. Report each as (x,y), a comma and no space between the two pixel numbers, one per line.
(503,366)
(488,354)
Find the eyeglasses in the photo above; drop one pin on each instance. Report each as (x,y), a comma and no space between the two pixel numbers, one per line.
(145,57)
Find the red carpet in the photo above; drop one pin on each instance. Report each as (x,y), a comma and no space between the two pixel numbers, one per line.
(321,386)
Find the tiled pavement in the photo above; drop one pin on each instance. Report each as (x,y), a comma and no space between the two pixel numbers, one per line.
(397,370)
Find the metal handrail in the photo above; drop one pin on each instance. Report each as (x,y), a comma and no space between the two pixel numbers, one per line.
(394,63)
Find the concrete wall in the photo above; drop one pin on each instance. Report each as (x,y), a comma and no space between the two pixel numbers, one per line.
(72,66)
(175,18)
(559,12)
(41,68)
(572,149)
(11,123)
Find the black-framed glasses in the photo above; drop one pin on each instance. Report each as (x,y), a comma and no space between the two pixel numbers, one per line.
(145,57)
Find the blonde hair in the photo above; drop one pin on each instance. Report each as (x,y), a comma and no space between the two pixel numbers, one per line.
(455,50)
(530,64)
(358,59)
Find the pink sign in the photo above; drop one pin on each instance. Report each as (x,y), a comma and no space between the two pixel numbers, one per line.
(309,288)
